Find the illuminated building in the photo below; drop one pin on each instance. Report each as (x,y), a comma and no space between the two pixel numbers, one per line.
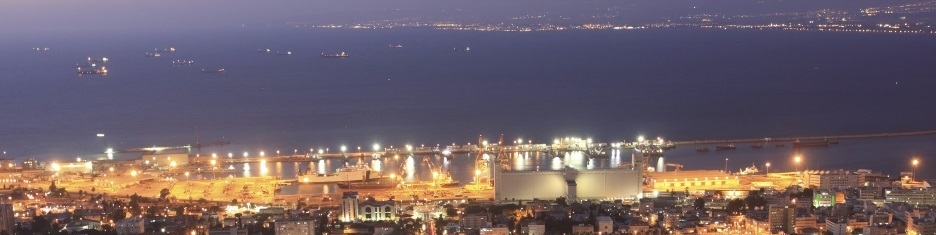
(692,181)
(6,218)
(831,179)
(919,196)
(294,227)
(824,198)
(781,218)
(369,210)
(569,182)
(837,226)
(128,226)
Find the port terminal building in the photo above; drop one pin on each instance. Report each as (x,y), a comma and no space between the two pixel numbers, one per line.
(571,183)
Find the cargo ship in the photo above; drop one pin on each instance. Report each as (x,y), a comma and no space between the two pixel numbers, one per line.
(339,55)
(263,50)
(212,70)
(466,49)
(153,54)
(725,147)
(91,69)
(355,173)
(396,46)
(102,60)
(171,49)
(284,53)
(378,184)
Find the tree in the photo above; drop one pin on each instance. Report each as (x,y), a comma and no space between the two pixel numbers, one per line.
(163,193)
(699,203)
(180,210)
(561,201)
(807,193)
(41,225)
(735,206)
(451,212)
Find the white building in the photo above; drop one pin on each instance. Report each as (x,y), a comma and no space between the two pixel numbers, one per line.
(130,226)
(832,179)
(294,227)
(369,210)
(534,229)
(605,224)
(569,183)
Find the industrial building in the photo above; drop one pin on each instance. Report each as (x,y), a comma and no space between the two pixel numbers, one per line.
(692,181)
(569,182)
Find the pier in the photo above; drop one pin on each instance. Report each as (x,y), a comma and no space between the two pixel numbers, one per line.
(807,138)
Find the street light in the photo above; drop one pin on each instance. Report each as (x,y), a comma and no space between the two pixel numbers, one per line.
(915,163)
(344,148)
(797,159)
(376,147)
(768,167)
(726,165)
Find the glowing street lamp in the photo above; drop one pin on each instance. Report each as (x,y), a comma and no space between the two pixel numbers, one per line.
(376,147)
(797,159)
(768,167)
(915,162)
(344,148)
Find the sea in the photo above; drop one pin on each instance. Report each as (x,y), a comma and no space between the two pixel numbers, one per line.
(608,85)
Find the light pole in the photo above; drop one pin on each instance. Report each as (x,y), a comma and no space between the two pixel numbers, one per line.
(213,170)
(913,175)
(797,159)
(726,165)
(768,167)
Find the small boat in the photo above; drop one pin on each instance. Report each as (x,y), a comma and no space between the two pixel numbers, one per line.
(757,146)
(263,50)
(212,70)
(284,53)
(396,46)
(183,62)
(725,147)
(702,149)
(171,49)
(153,54)
(466,49)
(41,49)
(102,60)
(339,55)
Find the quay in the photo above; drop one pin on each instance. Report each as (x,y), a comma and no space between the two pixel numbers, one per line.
(808,138)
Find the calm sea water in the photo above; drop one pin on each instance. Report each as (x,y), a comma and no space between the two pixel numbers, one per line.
(608,85)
